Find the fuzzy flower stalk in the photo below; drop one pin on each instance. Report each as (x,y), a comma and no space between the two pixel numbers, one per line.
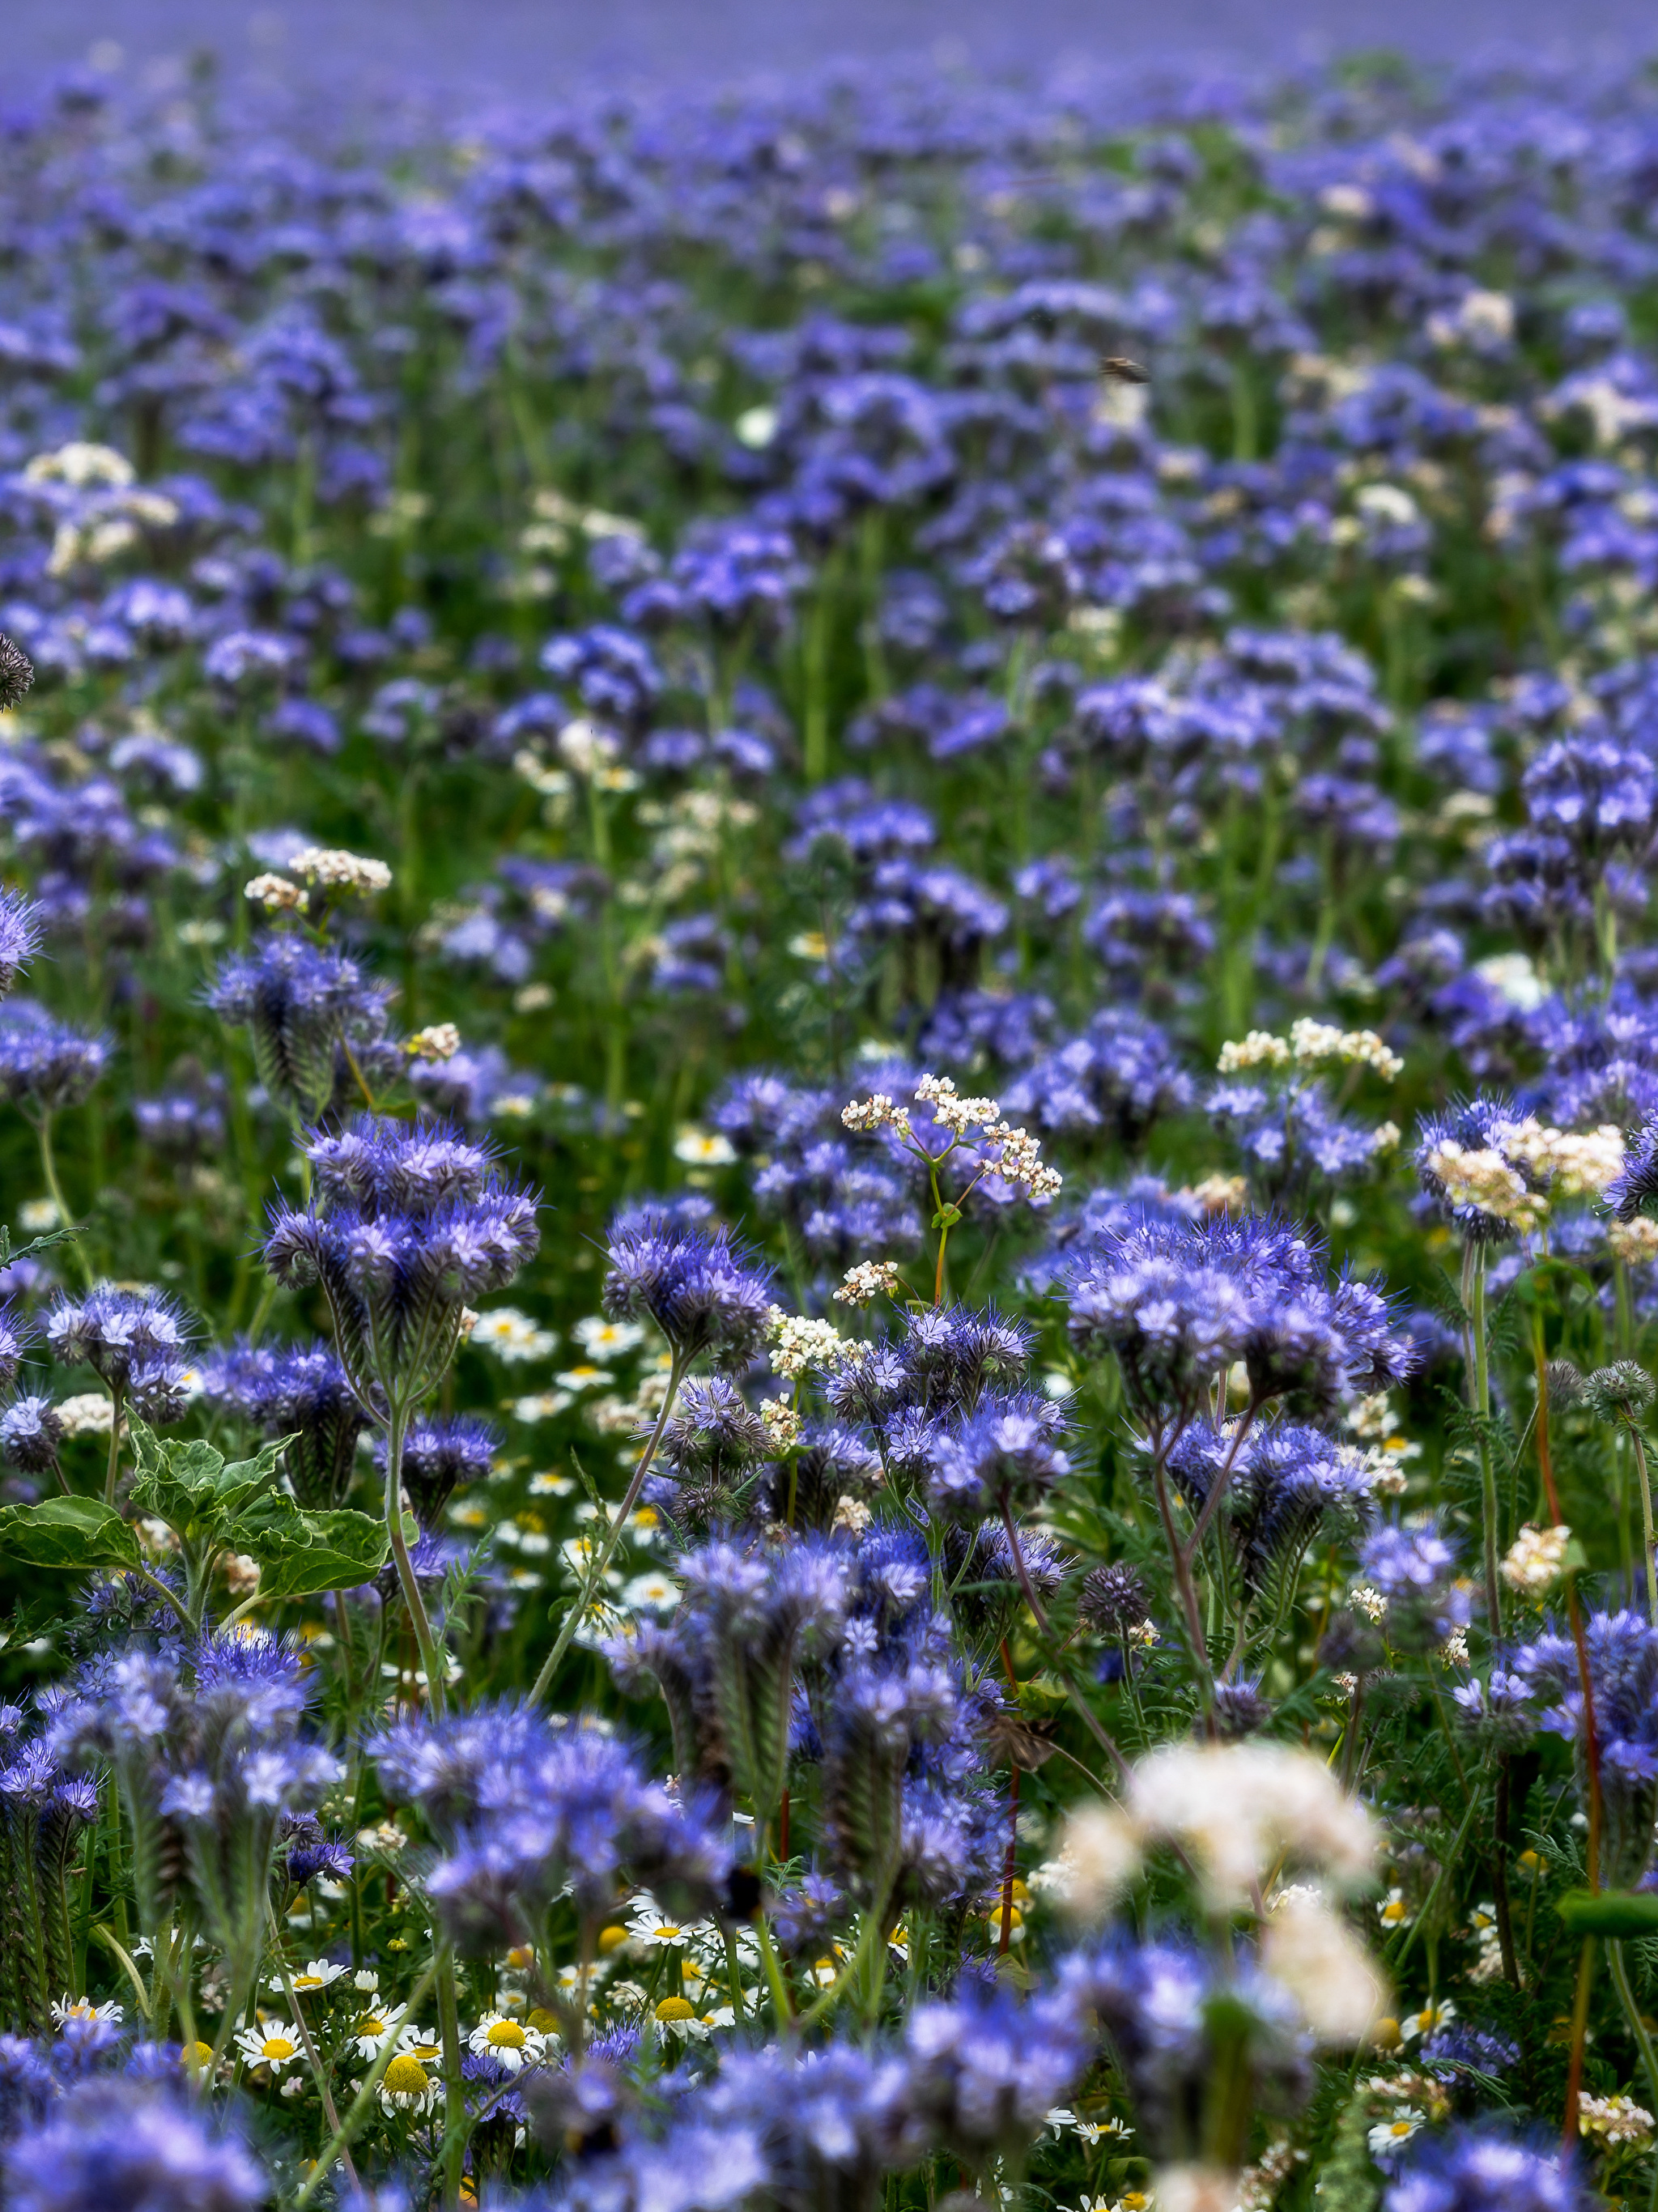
(407,1226)
(707,1297)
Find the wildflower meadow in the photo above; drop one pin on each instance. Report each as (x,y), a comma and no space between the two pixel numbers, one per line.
(828,1136)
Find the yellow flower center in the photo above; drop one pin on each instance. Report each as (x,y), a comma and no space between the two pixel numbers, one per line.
(405,2076)
(676,2008)
(307,1981)
(197,2055)
(610,1939)
(277,2047)
(542,2018)
(371,2027)
(667,1934)
(506,2035)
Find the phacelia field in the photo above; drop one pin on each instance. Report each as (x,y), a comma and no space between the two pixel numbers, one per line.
(829,1135)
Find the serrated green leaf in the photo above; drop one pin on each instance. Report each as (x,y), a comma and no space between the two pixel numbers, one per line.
(301,1554)
(190,1487)
(72,1533)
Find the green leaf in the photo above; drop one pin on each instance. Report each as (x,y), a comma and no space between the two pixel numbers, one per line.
(1615,1913)
(302,1553)
(73,1533)
(42,1243)
(190,1487)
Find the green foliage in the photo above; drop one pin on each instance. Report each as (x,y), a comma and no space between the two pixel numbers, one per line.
(70,1533)
(213,1506)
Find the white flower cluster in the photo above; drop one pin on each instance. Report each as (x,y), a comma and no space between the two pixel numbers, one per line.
(1261,1048)
(1635,1243)
(1309,1043)
(1577,1165)
(1617,2119)
(1482,1178)
(782,1423)
(800,1343)
(1369,1602)
(868,1279)
(1020,1161)
(441,1040)
(957,1115)
(276,894)
(339,871)
(1016,1155)
(1535,1558)
(1240,1813)
(875,1112)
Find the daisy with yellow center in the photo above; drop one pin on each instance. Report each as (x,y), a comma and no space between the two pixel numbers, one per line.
(319,1974)
(650,1926)
(1430,2017)
(1392,2135)
(677,2016)
(420,2042)
(66,2007)
(510,2043)
(372,2031)
(406,2087)
(277,2046)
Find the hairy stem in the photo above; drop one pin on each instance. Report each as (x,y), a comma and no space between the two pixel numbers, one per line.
(595,1574)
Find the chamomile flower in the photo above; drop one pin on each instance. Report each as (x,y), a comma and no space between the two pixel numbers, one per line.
(647,1925)
(1388,2136)
(277,2046)
(509,2042)
(420,2043)
(1431,2017)
(603,1341)
(406,2087)
(319,1974)
(651,1592)
(66,2007)
(370,2032)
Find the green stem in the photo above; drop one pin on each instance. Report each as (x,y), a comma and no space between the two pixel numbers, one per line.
(55,1192)
(1474,1275)
(1637,2028)
(396,1429)
(113,1469)
(346,2134)
(1638,1440)
(595,1575)
(454,2089)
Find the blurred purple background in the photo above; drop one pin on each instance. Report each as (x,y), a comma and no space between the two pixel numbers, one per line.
(535,48)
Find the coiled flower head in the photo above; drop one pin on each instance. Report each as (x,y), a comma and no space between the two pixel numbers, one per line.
(703,1292)
(406,1228)
(45,1064)
(133,1340)
(301,1003)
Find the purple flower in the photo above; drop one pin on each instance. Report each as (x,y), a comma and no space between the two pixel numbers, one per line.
(136,1342)
(406,1227)
(20,920)
(300,1393)
(1481,2169)
(703,1292)
(1178,1302)
(439,1455)
(115,2146)
(45,1064)
(302,1003)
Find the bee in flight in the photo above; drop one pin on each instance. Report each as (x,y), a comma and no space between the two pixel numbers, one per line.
(1117,368)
